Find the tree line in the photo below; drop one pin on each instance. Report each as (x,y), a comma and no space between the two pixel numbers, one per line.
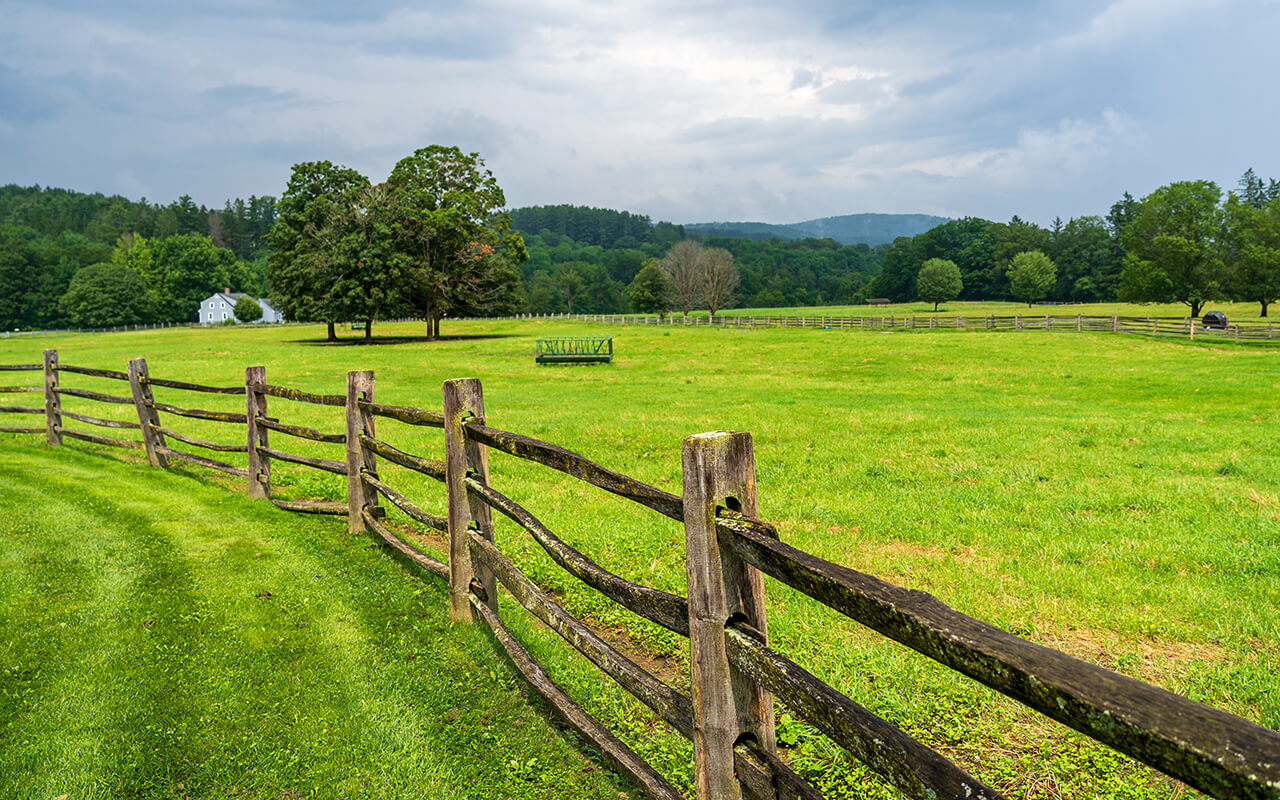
(601,227)
(1182,243)
(435,239)
(565,275)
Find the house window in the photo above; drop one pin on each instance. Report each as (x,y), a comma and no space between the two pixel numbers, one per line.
(224,315)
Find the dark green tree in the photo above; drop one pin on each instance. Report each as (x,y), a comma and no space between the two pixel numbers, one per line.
(450,232)
(105,295)
(187,270)
(307,266)
(1172,247)
(1032,276)
(651,291)
(1252,237)
(1087,269)
(247,310)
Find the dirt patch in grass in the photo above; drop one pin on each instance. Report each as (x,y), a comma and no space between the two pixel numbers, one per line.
(1154,660)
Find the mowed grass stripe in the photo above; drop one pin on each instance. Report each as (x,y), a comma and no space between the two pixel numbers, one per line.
(163,638)
(59,595)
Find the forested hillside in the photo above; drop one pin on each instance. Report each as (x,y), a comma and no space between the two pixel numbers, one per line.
(178,251)
(1185,242)
(868,229)
(602,227)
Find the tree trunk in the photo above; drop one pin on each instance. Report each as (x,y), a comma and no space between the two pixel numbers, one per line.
(333,335)
(368,330)
(435,328)
(935,307)
(1196,305)
(431,317)
(1264,308)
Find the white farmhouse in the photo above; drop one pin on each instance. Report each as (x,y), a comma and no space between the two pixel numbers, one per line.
(221,308)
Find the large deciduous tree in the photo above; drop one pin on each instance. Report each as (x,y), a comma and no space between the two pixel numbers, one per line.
(1031,276)
(104,295)
(307,268)
(1172,248)
(450,235)
(720,279)
(188,268)
(939,280)
(1252,236)
(683,263)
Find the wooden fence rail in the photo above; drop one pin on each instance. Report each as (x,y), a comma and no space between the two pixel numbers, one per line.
(1170,327)
(736,676)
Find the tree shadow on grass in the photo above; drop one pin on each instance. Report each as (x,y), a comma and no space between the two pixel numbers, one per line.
(355,341)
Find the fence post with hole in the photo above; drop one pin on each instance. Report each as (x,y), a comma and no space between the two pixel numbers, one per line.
(52,408)
(152,440)
(360,495)
(255,408)
(719,470)
(464,400)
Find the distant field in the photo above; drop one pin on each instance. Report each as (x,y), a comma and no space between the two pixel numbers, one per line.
(1243,312)
(1116,498)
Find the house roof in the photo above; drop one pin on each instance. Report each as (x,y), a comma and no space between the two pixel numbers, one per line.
(234,296)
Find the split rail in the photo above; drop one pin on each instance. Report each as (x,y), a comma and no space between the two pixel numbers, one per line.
(736,676)
(1164,327)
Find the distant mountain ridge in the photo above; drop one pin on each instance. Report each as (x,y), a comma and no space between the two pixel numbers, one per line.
(871,229)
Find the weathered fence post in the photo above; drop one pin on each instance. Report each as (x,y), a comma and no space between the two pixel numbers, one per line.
(1115,323)
(719,470)
(463,400)
(1079,322)
(255,407)
(52,408)
(152,440)
(359,458)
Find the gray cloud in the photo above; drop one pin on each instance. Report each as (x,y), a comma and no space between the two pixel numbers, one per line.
(775,111)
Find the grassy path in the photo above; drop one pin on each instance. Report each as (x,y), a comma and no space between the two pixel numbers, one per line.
(163,637)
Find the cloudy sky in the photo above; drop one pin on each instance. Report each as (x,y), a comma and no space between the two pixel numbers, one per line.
(694,110)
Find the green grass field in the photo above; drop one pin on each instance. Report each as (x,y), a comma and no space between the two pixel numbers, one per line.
(1115,497)
(1236,312)
(163,638)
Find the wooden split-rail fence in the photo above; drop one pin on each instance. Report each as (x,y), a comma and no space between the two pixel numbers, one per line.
(1178,328)
(736,676)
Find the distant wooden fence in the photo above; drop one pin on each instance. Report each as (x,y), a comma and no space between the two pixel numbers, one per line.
(1179,328)
(736,675)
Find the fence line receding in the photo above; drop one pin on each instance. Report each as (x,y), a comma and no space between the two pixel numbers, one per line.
(1262,330)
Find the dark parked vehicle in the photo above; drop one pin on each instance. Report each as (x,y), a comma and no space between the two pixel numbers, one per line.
(1215,319)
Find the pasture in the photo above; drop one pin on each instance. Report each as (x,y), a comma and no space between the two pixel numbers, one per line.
(1236,312)
(1116,498)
